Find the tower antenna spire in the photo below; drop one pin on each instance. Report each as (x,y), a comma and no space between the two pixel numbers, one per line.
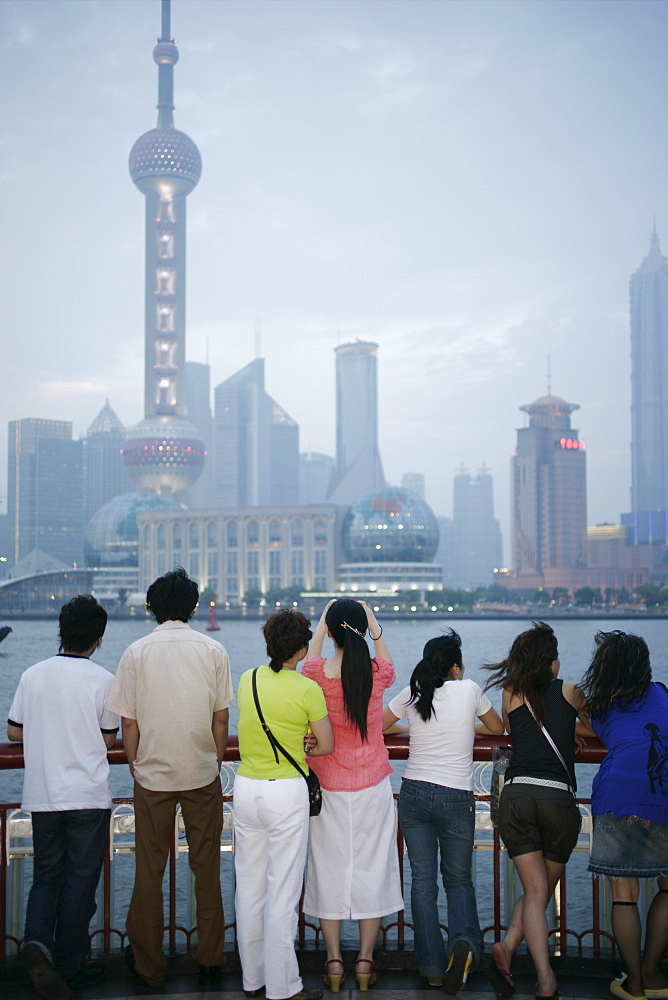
(166,55)
(165,36)
(549,376)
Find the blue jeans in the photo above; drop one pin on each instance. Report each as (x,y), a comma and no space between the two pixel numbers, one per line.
(68,854)
(431,817)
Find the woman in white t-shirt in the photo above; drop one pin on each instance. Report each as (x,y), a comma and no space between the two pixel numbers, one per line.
(437,807)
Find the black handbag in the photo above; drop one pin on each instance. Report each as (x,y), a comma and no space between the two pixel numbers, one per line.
(311,778)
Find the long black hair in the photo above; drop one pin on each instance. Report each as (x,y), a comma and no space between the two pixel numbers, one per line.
(618,674)
(527,669)
(439,656)
(346,620)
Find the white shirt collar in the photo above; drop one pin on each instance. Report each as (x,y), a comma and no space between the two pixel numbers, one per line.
(171,624)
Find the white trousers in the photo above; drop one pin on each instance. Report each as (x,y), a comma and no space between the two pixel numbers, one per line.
(270,836)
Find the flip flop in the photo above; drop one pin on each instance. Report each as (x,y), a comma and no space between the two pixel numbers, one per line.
(498,972)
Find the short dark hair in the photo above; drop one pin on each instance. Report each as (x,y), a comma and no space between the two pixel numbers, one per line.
(172,597)
(285,632)
(81,624)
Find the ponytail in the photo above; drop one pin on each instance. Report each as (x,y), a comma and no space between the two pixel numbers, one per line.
(439,656)
(346,620)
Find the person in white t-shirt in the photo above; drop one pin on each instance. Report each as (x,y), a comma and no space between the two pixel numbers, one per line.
(437,807)
(59,714)
(172,690)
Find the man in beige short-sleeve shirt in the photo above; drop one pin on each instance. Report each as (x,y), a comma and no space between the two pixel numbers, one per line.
(172,689)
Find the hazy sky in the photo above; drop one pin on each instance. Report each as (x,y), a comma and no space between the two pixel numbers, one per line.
(470,184)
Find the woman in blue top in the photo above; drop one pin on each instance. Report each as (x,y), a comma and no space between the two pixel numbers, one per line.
(629,714)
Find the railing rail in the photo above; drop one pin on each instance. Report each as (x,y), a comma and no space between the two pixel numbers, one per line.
(15,850)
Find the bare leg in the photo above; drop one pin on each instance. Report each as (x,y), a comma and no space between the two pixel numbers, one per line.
(369,928)
(533,870)
(515,933)
(331,932)
(656,939)
(627,930)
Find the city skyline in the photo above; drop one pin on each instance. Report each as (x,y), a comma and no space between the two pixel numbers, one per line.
(335,210)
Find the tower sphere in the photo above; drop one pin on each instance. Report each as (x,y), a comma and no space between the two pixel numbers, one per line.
(166,53)
(165,154)
(163,454)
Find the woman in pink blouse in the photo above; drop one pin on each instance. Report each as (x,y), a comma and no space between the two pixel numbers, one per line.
(353,867)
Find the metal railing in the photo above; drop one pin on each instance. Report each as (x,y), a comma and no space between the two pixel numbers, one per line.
(592,936)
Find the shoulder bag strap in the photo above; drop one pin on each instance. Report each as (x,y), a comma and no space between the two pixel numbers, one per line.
(275,745)
(551,742)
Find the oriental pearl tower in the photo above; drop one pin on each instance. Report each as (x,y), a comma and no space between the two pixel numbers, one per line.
(163,452)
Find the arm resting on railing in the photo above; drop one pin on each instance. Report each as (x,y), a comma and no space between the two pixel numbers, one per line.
(11,754)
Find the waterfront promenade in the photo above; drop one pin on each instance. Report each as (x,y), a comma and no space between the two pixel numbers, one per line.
(392,985)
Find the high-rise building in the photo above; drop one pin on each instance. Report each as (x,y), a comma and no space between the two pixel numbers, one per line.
(45,490)
(549,489)
(198,410)
(649,381)
(358,466)
(256,443)
(104,474)
(478,547)
(164,452)
(414,481)
(315,472)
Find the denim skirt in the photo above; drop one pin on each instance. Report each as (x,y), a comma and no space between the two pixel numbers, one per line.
(629,847)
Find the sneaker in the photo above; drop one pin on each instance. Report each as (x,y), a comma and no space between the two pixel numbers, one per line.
(48,984)
(89,974)
(459,966)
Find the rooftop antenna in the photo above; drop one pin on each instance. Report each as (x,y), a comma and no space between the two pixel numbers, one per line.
(207,349)
(549,376)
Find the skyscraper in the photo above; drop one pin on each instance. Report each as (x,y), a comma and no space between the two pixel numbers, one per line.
(256,443)
(164,452)
(198,411)
(315,472)
(414,481)
(45,490)
(358,466)
(649,381)
(549,489)
(104,475)
(478,548)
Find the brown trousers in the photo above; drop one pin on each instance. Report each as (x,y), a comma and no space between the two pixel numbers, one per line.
(154,832)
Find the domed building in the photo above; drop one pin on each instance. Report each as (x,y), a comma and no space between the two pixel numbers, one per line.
(112,536)
(390,537)
(111,543)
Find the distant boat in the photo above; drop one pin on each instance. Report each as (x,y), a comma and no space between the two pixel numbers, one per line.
(4,632)
(212,624)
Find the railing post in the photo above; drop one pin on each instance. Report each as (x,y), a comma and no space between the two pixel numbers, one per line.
(3,882)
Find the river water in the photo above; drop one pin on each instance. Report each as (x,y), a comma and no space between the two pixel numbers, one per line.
(484,641)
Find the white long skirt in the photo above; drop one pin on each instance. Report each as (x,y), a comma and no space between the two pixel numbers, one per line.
(353,866)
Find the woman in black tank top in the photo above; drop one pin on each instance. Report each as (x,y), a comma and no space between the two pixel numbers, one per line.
(539,820)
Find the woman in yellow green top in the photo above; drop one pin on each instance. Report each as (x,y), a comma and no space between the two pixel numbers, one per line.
(271,808)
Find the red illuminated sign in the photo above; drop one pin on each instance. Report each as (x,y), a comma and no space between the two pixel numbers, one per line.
(571,443)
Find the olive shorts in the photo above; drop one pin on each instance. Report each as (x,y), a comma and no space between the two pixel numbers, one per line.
(537,818)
